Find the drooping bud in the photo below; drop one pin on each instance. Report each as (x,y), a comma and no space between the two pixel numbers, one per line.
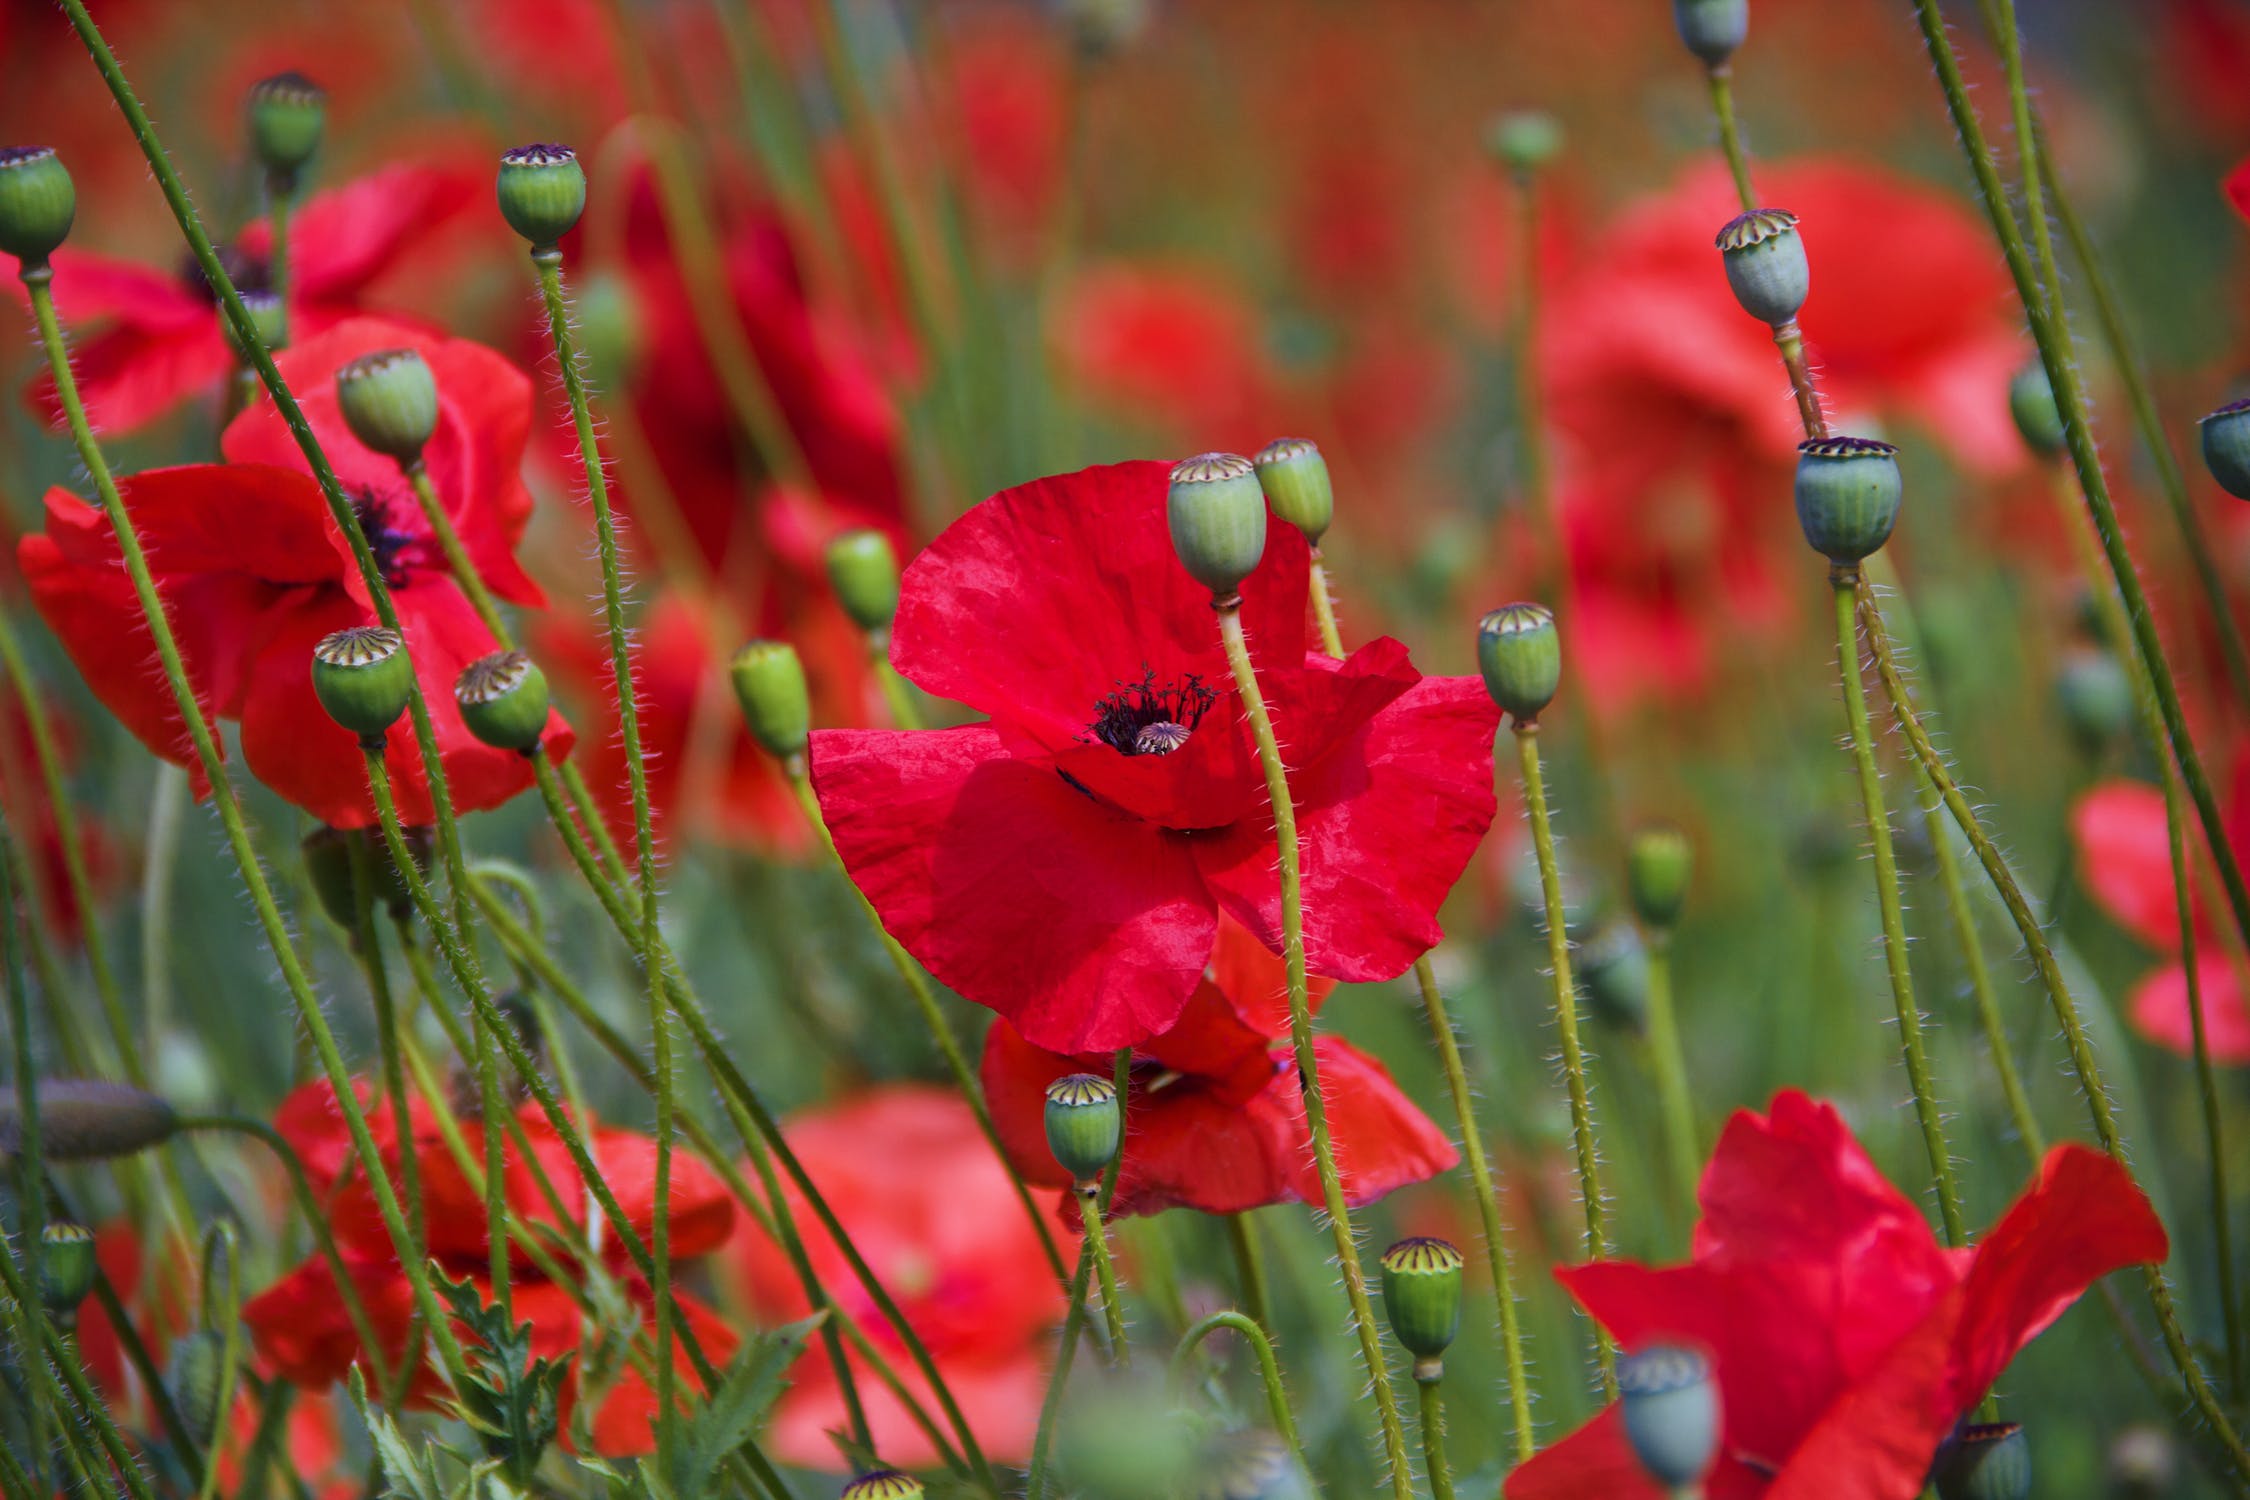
(1657,865)
(389,400)
(1520,654)
(1252,1464)
(769,683)
(268,315)
(195,1372)
(864,572)
(2095,694)
(2031,401)
(1712,29)
(363,677)
(1764,258)
(1671,1413)
(884,1484)
(1984,1461)
(1217,514)
(1085,1124)
(1613,970)
(37,203)
(328,862)
(1524,140)
(2226,446)
(87,1119)
(1848,491)
(542,192)
(503,699)
(288,112)
(1295,479)
(67,1268)
(1422,1299)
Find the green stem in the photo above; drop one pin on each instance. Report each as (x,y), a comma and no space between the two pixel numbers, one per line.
(1433,1438)
(457,555)
(230,1350)
(1730,136)
(1269,1368)
(898,698)
(1324,608)
(1528,392)
(1681,1140)
(1249,1268)
(31,1197)
(1105,1276)
(277,258)
(160,853)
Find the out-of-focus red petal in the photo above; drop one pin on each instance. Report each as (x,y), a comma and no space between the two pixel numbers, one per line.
(1595,1461)
(1877,1440)
(341,239)
(1255,981)
(2125,859)
(624,1427)
(301,1332)
(1382,1141)
(2237,188)
(93,288)
(2160,1008)
(129,376)
(702,1208)
(999,1396)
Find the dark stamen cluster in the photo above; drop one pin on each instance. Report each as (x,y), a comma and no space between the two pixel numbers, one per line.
(1143,719)
(386,541)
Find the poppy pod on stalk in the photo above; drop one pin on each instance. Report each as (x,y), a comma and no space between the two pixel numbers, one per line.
(1524,140)
(1422,1298)
(389,400)
(864,571)
(1657,866)
(288,114)
(2226,447)
(1295,479)
(1671,1413)
(364,679)
(1847,493)
(1712,29)
(1085,1123)
(769,683)
(1765,264)
(1217,514)
(884,1484)
(542,192)
(67,1268)
(1520,654)
(503,700)
(37,203)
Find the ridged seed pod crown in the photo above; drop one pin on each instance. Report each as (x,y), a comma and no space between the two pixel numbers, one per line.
(542,192)
(1847,491)
(363,677)
(288,114)
(1671,1409)
(389,400)
(1085,1124)
(503,700)
(1217,513)
(1294,476)
(1765,262)
(1519,652)
(1422,1294)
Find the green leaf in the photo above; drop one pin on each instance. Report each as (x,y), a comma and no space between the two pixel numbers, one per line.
(408,1471)
(728,1419)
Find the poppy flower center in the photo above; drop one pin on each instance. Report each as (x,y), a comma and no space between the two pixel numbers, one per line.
(1144,719)
(389,544)
(248,272)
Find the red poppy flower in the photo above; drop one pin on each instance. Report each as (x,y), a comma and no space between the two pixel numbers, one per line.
(159,339)
(300,1330)
(1177,346)
(1216,1118)
(1845,1339)
(927,1203)
(24,799)
(1052,866)
(254,572)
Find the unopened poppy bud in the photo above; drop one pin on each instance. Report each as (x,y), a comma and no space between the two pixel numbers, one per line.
(1671,1413)
(1520,654)
(195,1373)
(1657,865)
(1613,970)
(1422,1299)
(1218,518)
(2226,446)
(769,683)
(1712,29)
(1848,493)
(542,192)
(503,700)
(389,401)
(37,203)
(864,572)
(268,315)
(363,677)
(328,862)
(87,1119)
(884,1484)
(288,112)
(67,1268)
(1764,258)
(2031,401)
(1295,479)
(1085,1124)
(1984,1461)
(1252,1464)
(2095,694)
(1524,140)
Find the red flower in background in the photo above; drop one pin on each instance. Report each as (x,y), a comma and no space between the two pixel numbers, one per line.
(24,799)
(1216,1118)
(1049,863)
(300,1330)
(930,1207)
(1177,346)
(1845,1339)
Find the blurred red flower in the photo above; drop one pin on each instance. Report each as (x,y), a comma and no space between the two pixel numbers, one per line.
(1050,865)
(1177,346)
(923,1198)
(1845,1339)
(31,812)
(301,1331)
(1216,1119)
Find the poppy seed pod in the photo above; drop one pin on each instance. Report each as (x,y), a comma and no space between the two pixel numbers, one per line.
(611,328)
(1422,1299)
(1848,493)
(389,400)
(884,1484)
(1524,140)
(87,1119)
(288,112)
(1613,972)
(1217,512)
(503,700)
(37,203)
(2031,401)
(1671,1413)
(1657,865)
(328,861)
(195,1372)
(1085,1124)
(2226,447)
(1984,1461)
(67,1268)
(1520,654)
(542,191)
(2095,694)
(363,677)
(769,683)
(1295,479)
(1764,258)
(1252,1464)
(864,572)
(268,315)
(1712,29)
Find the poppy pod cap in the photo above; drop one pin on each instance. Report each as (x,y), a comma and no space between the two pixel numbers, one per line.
(1613,970)
(1658,864)
(1524,140)
(1984,1461)
(87,1119)
(2031,401)
(1712,29)
(67,1267)
(1422,1295)
(503,699)
(1520,653)
(884,1484)
(1295,479)
(363,677)
(1217,513)
(288,113)
(389,401)
(1085,1124)
(37,203)
(1671,1413)
(542,192)
(1764,257)
(268,315)
(769,683)
(2226,447)
(1848,492)
(864,572)
(195,1373)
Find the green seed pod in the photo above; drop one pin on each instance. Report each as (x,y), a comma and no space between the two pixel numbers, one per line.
(864,572)
(1712,29)
(1764,258)
(37,203)
(503,700)
(363,677)
(1657,865)
(1085,1124)
(769,683)
(1520,654)
(1671,1413)
(611,331)
(268,315)
(1295,479)
(1218,519)
(1984,1461)
(195,1372)
(542,192)
(1422,1299)
(67,1268)
(2226,445)
(2031,401)
(884,1484)
(86,1119)
(389,400)
(328,861)
(1848,493)
(1613,972)
(288,112)
(1252,1464)
(2095,694)
(1524,140)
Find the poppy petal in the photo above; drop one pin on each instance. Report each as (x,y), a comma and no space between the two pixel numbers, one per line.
(2125,859)
(2160,1008)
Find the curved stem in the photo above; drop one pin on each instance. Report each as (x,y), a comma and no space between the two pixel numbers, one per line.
(1269,1368)
(1433,1438)
(1680,1138)
(1730,136)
